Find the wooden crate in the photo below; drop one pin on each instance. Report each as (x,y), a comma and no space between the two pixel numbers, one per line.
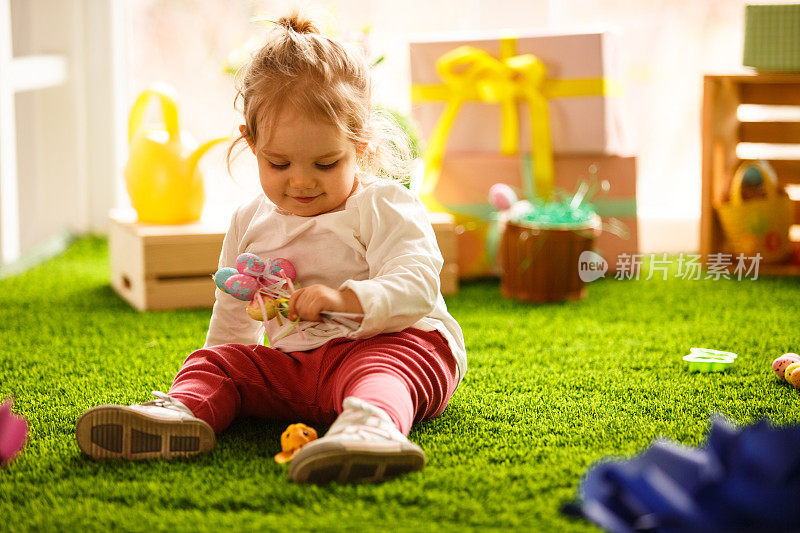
(163,267)
(723,131)
(170,267)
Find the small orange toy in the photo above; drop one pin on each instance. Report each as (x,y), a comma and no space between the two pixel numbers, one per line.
(292,439)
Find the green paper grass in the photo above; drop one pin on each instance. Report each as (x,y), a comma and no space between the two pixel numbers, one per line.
(551,389)
(556,214)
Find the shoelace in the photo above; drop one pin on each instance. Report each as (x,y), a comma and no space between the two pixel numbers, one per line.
(164,400)
(366,432)
(361,424)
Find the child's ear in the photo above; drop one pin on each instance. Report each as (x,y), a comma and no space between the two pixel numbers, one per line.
(360,149)
(243,131)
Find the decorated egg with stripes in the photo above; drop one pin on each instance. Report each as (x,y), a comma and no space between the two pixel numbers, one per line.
(250,264)
(241,286)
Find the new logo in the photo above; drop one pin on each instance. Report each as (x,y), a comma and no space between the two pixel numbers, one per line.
(591,266)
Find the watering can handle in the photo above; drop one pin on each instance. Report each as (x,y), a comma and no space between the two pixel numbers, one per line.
(169,110)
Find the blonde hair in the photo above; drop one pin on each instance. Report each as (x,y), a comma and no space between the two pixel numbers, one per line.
(326,80)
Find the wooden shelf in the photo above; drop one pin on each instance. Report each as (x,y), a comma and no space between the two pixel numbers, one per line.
(755,77)
(723,131)
(779,270)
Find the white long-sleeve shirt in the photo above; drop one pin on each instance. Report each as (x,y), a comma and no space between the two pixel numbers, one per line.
(380,245)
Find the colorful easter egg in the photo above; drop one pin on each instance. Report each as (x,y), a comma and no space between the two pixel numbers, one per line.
(223,274)
(276,265)
(779,365)
(250,264)
(794,378)
(789,369)
(773,241)
(501,196)
(241,286)
(13,433)
(254,310)
(752,177)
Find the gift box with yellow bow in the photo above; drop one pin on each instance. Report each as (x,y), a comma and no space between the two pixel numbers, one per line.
(530,95)
(578,78)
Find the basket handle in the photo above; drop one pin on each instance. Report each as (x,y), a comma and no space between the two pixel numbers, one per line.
(770,184)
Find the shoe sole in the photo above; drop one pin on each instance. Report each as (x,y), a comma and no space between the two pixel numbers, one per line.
(334,462)
(119,432)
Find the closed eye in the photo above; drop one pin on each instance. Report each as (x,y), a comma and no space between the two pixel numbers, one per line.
(326,166)
(279,166)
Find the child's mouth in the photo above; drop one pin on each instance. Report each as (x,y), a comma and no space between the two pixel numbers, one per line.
(304,199)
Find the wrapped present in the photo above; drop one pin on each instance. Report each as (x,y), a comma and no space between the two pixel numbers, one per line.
(616,204)
(576,75)
(772,37)
(463,189)
(502,96)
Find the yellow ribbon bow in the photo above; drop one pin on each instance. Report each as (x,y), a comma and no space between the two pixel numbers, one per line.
(470,73)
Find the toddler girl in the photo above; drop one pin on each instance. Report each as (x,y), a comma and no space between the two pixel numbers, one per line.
(361,243)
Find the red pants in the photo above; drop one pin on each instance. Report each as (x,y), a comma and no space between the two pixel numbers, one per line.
(410,375)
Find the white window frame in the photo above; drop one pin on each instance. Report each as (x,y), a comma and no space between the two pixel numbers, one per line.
(81,62)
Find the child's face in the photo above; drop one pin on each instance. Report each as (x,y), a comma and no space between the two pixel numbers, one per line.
(306,167)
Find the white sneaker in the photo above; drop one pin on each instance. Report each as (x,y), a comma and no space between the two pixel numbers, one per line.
(362,445)
(161,428)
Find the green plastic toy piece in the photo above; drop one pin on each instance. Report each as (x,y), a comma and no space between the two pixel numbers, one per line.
(708,360)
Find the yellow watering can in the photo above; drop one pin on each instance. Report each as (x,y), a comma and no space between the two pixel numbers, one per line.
(162,177)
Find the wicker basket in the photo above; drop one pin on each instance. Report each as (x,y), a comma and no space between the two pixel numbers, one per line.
(541,264)
(758,226)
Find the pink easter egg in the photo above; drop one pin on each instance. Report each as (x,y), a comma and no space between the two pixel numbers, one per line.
(276,265)
(241,286)
(250,264)
(779,365)
(501,196)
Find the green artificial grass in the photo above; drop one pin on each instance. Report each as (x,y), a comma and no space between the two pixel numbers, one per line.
(551,389)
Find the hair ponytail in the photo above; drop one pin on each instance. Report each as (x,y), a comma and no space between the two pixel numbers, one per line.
(297,23)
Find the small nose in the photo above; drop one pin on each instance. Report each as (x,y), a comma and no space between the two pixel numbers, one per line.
(301,180)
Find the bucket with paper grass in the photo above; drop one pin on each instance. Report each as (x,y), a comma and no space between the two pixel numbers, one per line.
(541,245)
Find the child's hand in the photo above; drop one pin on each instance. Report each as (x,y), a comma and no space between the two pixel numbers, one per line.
(308,302)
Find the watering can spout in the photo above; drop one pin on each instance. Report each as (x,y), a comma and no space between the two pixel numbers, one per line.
(195,156)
